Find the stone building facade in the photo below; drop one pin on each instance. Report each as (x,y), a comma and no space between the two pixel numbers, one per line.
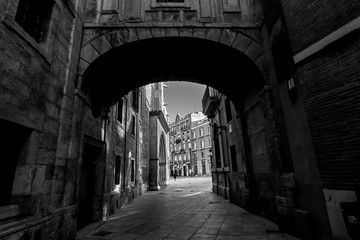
(181,143)
(201,151)
(66,64)
(247,169)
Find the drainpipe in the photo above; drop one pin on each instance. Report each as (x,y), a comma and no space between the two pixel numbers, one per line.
(125,134)
(136,146)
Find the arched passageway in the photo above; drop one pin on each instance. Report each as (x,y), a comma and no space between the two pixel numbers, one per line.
(74,112)
(118,71)
(130,66)
(239,70)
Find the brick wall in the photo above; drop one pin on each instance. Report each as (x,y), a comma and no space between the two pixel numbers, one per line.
(308,21)
(331,89)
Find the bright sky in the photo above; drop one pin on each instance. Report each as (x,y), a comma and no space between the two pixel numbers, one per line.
(183,98)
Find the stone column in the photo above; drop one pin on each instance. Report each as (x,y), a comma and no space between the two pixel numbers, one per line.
(154,175)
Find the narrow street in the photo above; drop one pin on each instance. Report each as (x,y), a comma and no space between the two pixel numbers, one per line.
(185,209)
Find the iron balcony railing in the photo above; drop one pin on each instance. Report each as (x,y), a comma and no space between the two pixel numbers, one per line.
(210,101)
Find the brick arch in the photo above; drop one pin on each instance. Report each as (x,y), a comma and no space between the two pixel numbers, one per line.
(97,42)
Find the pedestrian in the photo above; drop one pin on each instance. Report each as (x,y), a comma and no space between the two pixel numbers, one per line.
(175,175)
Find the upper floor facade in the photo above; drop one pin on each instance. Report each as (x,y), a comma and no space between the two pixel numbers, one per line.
(173,11)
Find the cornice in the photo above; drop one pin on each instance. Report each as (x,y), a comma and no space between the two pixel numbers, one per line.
(162,120)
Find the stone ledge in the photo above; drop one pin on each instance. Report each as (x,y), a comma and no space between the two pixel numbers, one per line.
(19,225)
(9,211)
(170,25)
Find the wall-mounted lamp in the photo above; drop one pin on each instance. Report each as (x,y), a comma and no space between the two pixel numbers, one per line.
(217,128)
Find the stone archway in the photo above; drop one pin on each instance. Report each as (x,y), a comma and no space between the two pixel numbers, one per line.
(237,51)
(230,61)
(237,62)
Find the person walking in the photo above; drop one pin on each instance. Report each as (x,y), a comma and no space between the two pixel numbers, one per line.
(175,175)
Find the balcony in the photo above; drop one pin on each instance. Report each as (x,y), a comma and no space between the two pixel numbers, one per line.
(210,101)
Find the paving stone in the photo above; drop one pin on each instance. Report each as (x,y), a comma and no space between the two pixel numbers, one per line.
(226,237)
(175,215)
(199,236)
(208,231)
(231,231)
(255,237)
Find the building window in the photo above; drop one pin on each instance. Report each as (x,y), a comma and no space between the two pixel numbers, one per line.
(201,132)
(202,145)
(202,155)
(34,17)
(233,158)
(120,110)
(193,134)
(13,143)
(117,170)
(135,99)
(217,152)
(194,145)
(132,170)
(133,125)
(228,110)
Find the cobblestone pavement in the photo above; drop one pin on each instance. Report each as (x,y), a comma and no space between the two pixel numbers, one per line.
(185,209)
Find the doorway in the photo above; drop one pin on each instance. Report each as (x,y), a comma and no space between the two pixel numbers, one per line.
(90,158)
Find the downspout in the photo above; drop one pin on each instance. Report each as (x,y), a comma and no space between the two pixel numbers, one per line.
(222,150)
(125,134)
(229,161)
(136,148)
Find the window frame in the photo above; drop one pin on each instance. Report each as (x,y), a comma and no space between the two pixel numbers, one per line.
(45,48)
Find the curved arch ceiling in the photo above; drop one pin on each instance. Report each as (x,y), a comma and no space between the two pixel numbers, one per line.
(135,64)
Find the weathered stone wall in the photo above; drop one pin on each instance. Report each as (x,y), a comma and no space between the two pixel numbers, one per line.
(37,91)
(119,195)
(257,179)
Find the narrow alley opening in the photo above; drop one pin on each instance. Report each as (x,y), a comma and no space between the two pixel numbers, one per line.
(189,187)
(92,135)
